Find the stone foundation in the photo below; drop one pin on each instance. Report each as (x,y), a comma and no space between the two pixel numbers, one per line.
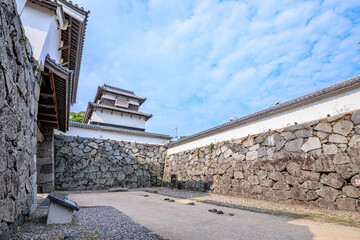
(89,164)
(314,163)
(45,162)
(19,93)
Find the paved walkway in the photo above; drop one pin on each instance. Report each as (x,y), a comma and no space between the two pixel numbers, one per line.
(177,220)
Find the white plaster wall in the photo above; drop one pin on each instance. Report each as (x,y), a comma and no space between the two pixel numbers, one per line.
(341,103)
(113,97)
(116,118)
(101,134)
(41,30)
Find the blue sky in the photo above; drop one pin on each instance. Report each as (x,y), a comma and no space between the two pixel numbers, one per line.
(199,63)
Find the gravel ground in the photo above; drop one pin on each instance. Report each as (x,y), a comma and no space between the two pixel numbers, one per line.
(88,223)
(278,208)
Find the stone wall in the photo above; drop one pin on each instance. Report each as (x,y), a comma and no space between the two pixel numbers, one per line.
(19,92)
(314,164)
(89,163)
(45,162)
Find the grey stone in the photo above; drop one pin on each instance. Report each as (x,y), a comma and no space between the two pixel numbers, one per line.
(346,171)
(73,144)
(94,145)
(238,175)
(253,179)
(333,180)
(347,204)
(324,127)
(335,138)
(227,153)
(276,176)
(262,152)
(311,144)
(343,127)
(328,193)
(356,117)
(294,145)
(248,142)
(341,158)
(279,145)
(7,213)
(87,149)
(269,141)
(312,176)
(324,164)
(351,191)
(69,139)
(330,149)
(355,142)
(77,152)
(294,169)
(322,135)
(288,135)
(254,147)
(304,133)
(281,185)
(323,203)
(65,150)
(311,185)
(250,156)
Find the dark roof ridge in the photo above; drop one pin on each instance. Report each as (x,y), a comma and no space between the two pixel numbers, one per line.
(327,90)
(116,88)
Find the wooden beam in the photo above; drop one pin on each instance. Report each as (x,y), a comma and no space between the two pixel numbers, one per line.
(65,64)
(47,114)
(47,95)
(48,121)
(63,48)
(69,38)
(52,83)
(46,106)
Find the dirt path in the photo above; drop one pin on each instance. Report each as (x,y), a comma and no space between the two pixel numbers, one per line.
(177,220)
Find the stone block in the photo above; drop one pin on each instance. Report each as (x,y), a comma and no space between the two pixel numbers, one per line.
(341,158)
(46,168)
(311,144)
(356,117)
(45,178)
(294,169)
(347,204)
(328,193)
(294,145)
(323,203)
(351,191)
(330,149)
(343,127)
(335,138)
(7,213)
(355,142)
(324,164)
(324,127)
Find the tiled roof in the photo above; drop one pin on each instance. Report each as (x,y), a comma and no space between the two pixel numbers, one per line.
(118,91)
(139,113)
(112,129)
(351,82)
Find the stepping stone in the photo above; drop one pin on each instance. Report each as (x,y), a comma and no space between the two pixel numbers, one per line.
(171,200)
(190,203)
(220,212)
(166,199)
(213,210)
(231,214)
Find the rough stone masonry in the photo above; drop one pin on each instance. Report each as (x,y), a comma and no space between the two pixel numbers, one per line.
(19,93)
(89,164)
(315,163)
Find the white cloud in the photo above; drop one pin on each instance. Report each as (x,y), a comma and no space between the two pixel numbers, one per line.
(201,62)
